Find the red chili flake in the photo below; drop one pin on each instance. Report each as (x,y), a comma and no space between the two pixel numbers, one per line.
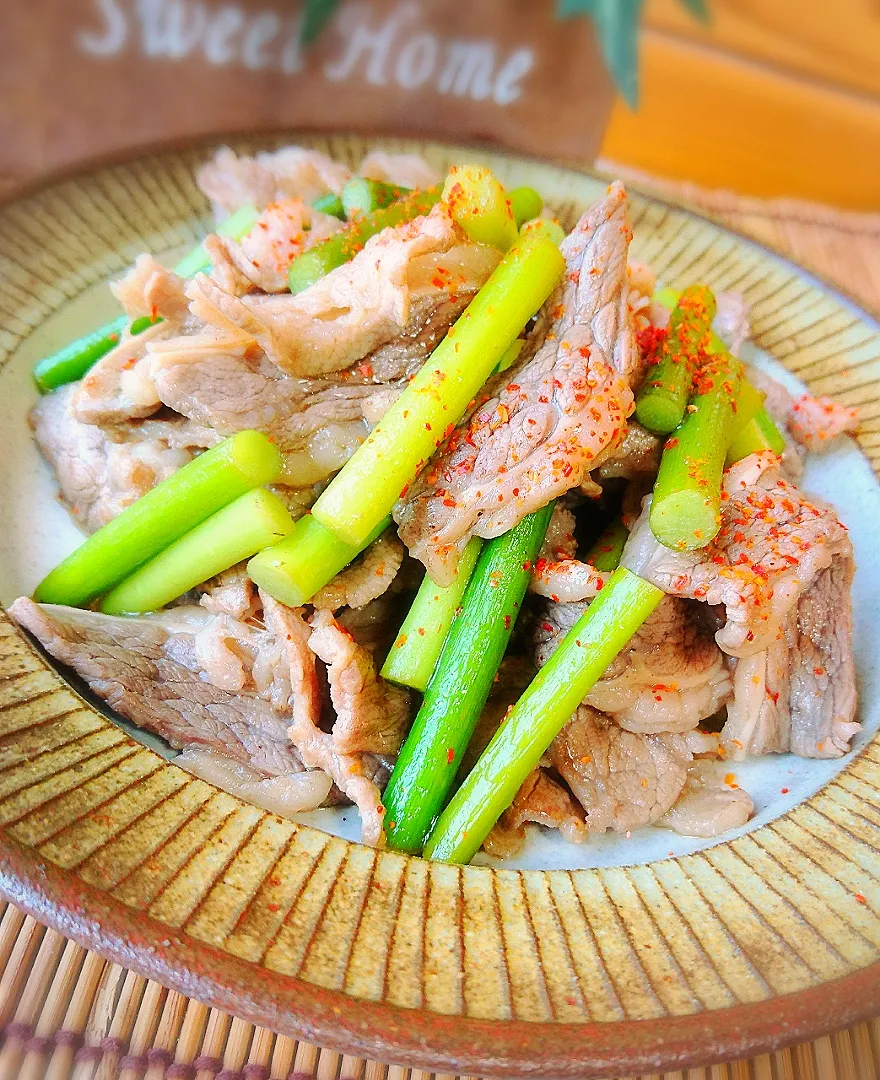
(506,622)
(527,565)
(671,444)
(450,755)
(783,791)
(860,898)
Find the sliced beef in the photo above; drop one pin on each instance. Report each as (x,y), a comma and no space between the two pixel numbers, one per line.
(823,683)
(371,715)
(669,677)
(799,694)
(119,387)
(408,170)
(101,472)
(150,289)
(231,593)
(638,455)
(781,566)
(541,800)
(538,437)
(231,181)
(295,793)
(353,773)
(359,306)
(366,579)
(708,806)
(772,543)
(317,424)
(260,260)
(622,780)
(196,679)
(732,323)
(817,421)
(566,580)
(758,715)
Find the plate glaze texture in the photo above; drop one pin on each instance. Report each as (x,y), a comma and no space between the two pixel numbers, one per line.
(631,960)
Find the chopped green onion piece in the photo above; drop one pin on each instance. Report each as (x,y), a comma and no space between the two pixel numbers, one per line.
(431,756)
(404,440)
(663,396)
(540,714)
(511,355)
(525,203)
(749,403)
(606,551)
(330,204)
(293,570)
(686,508)
(201,488)
(414,654)
(254,521)
(74,360)
(362,196)
(760,433)
(477,202)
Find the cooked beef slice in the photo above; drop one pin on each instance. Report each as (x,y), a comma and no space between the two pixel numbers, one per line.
(260,259)
(196,679)
(622,780)
(800,693)
(151,289)
(359,306)
(638,455)
(407,170)
(371,715)
(231,181)
(708,806)
(352,773)
(541,800)
(668,678)
(366,579)
(539,436)
(100,472)
(119,386)
(772,543)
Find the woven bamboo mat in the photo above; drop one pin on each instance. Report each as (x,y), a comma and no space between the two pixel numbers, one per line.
(66,1014)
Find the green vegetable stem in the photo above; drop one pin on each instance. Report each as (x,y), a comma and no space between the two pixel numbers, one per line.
(525,203)
(760,433)
(385,464)
(195,492)
(661,401)
(686,509)
(606,551)
(414,654)
(540,714)
(293,570)
(430,757)
(361,196)
(478,203)
(254,521)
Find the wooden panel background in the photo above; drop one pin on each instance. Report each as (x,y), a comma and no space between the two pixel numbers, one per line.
(776,97)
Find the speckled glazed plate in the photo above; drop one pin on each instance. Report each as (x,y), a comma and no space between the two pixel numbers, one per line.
(615,958)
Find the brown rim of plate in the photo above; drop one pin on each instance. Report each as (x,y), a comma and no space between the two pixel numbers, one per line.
(420,1037)
(414,1037)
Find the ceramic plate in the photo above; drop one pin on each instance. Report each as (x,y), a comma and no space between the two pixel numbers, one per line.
(615,957)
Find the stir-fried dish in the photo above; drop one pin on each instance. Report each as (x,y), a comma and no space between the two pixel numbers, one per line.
(398,496)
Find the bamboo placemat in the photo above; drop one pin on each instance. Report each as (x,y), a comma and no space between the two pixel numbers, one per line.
(67,1014)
